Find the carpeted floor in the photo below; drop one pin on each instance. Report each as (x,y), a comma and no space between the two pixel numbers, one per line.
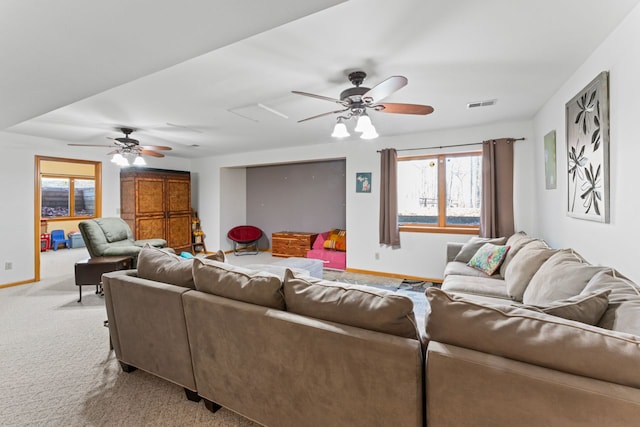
(57,369)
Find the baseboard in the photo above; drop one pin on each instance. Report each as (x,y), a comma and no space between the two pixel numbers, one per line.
(23,282)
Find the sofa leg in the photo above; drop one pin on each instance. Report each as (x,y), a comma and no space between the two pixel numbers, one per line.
(211,406)
(127,368)
(192,395)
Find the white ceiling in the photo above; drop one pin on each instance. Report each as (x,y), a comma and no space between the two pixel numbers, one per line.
(192,72)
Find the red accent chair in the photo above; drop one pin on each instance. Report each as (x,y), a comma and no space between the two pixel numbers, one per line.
(245,239)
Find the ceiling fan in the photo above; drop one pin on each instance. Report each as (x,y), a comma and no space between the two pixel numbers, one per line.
(358,99)
(127,146)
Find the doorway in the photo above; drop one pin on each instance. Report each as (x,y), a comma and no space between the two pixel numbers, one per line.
(67,191)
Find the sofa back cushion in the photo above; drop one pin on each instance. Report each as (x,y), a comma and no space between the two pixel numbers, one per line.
(623,311)
(238,283)
(319,242)
(535,338)
(524,265)
(115,229)
(361,306)
(161,266)
(94,237)
(564,275)
(469,249)
(516,242)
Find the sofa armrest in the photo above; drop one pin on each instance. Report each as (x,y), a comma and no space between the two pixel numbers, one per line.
(453,248)
(499,391)
(147,326)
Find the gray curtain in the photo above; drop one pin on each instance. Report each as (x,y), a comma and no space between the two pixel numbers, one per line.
(389,232)
(496,215)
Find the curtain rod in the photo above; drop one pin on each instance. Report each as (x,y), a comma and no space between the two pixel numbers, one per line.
(454,145)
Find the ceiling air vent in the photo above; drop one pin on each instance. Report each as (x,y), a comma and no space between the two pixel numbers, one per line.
(486,103)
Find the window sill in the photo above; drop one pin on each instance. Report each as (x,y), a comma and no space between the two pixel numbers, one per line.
(439,230)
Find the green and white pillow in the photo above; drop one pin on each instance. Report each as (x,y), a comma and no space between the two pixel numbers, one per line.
(488,258)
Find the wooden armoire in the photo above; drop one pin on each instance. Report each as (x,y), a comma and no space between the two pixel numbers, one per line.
(156,203)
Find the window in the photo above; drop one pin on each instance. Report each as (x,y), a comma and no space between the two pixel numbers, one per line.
(56,200)
(440,193)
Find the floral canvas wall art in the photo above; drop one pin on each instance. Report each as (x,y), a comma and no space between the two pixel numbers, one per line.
(587,116)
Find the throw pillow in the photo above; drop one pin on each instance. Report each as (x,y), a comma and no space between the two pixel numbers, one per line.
(162,266)
(337,240)
(488,258)
(536,338)
(238,283)
(471,247)
(360,306)
(581,308)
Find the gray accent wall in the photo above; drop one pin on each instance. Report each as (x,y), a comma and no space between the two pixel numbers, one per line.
(308,197)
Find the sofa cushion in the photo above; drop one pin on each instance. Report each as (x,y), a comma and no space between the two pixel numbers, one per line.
(563,275)
(361,306)
(471,247)
(336,240)
(161,266)
(488,258)
(455,268)
(623,312)
(484,286)
(319,242)
(535,338)
(524,265)
(238,283)
(115,229)
(584,308)
(516,242)
(218,256)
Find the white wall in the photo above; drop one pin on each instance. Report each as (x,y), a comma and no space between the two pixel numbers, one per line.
(610,244)
(421,254)
(17,169)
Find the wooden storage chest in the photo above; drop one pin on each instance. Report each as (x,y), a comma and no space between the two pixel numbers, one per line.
(291,243)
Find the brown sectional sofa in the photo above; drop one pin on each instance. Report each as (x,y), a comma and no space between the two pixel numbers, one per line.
(300,351)
(497,353)
(293,352)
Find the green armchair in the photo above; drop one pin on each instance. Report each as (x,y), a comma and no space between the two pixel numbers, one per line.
(113,237)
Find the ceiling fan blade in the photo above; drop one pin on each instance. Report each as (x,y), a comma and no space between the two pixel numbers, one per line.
(385,88)
(390,107)
(155,147)
(326,98)
(91,145)
(113,152)
(151,153)
(322,115)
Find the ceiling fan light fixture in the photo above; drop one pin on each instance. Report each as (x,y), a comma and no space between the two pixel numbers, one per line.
(364,123)
(120,160)
(340,130)
(139,161)
(369,133)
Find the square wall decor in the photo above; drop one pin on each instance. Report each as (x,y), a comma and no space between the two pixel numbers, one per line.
(587,122)
(363,182)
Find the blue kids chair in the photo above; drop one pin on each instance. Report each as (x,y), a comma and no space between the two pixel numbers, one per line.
(57,237)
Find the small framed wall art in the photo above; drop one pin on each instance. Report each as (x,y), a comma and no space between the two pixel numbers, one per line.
(587,122)
(550,178)
(363,182)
